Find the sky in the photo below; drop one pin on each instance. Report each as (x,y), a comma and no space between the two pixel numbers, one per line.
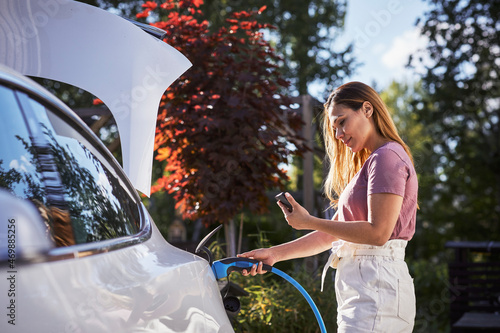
(384,35)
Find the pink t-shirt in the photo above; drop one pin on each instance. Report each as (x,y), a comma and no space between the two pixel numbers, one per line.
(387,170)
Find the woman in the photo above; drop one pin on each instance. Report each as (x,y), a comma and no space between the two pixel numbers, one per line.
(373,184)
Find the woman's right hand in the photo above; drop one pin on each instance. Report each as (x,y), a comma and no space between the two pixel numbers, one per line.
(264,256)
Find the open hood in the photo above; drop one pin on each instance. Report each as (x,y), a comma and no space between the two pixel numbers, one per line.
(108,56)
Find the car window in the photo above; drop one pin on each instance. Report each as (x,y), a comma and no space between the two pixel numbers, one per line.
(99,203)
(18,168)
(49,159)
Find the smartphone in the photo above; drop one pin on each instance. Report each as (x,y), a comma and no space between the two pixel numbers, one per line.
(281,198)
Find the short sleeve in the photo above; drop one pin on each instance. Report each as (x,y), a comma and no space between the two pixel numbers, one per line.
(387,173)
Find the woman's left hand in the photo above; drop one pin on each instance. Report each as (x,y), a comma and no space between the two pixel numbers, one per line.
(299,217)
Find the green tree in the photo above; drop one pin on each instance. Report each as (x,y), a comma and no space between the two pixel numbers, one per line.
(399,99)
(461,115)
(404,103)
(305,36)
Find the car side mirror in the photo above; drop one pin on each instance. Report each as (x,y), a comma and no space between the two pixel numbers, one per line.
(23,235)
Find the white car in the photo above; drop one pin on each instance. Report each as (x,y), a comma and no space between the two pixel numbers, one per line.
(78,250)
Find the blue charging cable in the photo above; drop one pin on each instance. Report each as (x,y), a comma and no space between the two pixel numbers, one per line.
(222,268)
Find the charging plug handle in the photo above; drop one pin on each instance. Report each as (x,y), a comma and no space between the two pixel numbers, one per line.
(222,268)
(239,264)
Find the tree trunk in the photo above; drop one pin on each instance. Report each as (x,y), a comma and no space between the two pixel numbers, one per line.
(230,234)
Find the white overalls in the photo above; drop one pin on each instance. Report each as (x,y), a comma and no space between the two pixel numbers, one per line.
(374,289)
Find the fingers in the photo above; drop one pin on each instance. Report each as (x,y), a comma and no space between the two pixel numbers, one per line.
(259,269)
(249,254)
(292,202)
(290,199)
(256,269)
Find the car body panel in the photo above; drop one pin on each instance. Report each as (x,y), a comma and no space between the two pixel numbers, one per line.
(149,287)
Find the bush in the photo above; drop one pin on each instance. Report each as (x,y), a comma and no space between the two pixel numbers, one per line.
(431,288)
(277,306)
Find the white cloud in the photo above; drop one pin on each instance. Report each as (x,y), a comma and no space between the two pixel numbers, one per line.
(409,42)
(21,165)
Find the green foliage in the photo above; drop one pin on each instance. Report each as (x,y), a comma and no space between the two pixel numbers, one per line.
(277,306)
(305,36)
(217,249)
(431,289)
(462,198)
(72,96)
(160,206)
(399,98)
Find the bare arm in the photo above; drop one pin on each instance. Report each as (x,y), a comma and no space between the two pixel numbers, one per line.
(307,245)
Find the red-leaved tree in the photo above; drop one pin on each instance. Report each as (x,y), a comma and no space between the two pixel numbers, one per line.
(224,128)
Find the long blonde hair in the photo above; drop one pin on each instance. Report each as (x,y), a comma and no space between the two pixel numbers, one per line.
(343,163)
